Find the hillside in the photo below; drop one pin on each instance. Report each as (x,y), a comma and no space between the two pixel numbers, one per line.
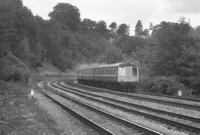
(48,69)
(65,41)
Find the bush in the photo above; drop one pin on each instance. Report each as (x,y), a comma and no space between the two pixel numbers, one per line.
(13,69)
(166,85)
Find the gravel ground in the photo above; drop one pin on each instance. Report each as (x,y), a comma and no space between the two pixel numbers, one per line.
(112,125)
(68,124)
(177,119)
(158,106)
(197,103)
(170,99)
(134,118)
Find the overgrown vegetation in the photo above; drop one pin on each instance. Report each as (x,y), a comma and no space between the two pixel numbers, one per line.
(20,115)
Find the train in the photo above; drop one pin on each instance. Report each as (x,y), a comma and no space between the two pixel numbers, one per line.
(122,76)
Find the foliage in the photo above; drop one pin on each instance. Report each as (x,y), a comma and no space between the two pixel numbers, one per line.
(112,55)
(123,29)
(101,28)
(67,14)
(172,49)
(13,69)
(113,28)
(139,28)
(177,52)
(166,85)
(87,25)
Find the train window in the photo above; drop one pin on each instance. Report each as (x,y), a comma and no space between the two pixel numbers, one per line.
(134,71)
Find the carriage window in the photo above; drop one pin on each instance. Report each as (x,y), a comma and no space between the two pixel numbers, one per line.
(134,71)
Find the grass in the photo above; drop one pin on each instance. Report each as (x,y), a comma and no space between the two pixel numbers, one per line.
(20,115)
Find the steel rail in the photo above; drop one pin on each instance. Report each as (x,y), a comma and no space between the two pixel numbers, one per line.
(89,122)
(138,97)
(129,123)
(168,121)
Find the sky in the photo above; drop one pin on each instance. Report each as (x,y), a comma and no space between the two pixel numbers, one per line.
(125,11)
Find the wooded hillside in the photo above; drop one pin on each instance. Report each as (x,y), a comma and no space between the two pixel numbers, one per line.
(169,49)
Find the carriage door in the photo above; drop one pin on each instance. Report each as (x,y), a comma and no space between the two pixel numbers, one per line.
(128,74)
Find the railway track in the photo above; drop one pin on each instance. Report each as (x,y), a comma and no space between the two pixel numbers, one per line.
(181,121)
(99,129)
(180,102)
(194,99)
(105,117)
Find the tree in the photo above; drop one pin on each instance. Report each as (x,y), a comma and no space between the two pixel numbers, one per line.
(101,28)
(67,14)
(112,55)
(113,27)
(146,32)
(176,53)
(139,28)
(88,25)
(123,30)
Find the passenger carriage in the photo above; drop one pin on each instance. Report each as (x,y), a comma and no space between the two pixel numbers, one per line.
(120,76)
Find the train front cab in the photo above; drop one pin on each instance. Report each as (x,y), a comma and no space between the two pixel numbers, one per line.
(128,76)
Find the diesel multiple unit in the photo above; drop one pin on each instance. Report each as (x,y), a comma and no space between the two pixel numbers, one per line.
(118,76)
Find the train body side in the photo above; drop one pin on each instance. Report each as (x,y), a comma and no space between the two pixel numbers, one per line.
(124,73)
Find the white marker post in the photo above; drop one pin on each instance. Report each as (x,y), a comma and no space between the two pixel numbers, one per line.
(180,93)
(32,93)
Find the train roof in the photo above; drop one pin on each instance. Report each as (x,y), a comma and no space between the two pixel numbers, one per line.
(121,64)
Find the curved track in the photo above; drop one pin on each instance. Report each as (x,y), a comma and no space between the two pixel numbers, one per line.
(144,97)
(127,123)
(126,106)
(98,128)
